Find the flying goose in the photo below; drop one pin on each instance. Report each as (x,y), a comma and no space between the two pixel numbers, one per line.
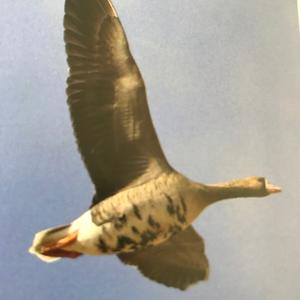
(142,209)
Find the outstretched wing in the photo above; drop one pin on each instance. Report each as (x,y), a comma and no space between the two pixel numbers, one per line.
(107,100)
(178,262)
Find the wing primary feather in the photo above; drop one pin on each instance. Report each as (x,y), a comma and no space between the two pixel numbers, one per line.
(107,100)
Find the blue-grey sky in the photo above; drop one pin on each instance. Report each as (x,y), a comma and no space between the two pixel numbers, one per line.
(223,88)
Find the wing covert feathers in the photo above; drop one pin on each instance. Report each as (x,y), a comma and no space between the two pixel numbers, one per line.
(178,262)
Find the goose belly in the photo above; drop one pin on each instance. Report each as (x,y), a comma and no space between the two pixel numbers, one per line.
(142,225)
(131,225)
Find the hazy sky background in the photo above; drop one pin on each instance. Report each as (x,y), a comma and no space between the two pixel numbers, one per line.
(223,81)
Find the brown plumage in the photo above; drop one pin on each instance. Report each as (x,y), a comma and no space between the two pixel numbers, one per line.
(107,100)
(142,209)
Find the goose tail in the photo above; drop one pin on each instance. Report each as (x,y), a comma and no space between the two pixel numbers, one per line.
(51,244)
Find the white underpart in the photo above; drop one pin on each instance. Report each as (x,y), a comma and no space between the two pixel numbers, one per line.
(88,235)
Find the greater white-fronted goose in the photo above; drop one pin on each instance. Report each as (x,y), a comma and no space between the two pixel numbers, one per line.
(142,209)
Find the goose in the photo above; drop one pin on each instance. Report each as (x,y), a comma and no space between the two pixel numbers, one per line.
(142,209)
